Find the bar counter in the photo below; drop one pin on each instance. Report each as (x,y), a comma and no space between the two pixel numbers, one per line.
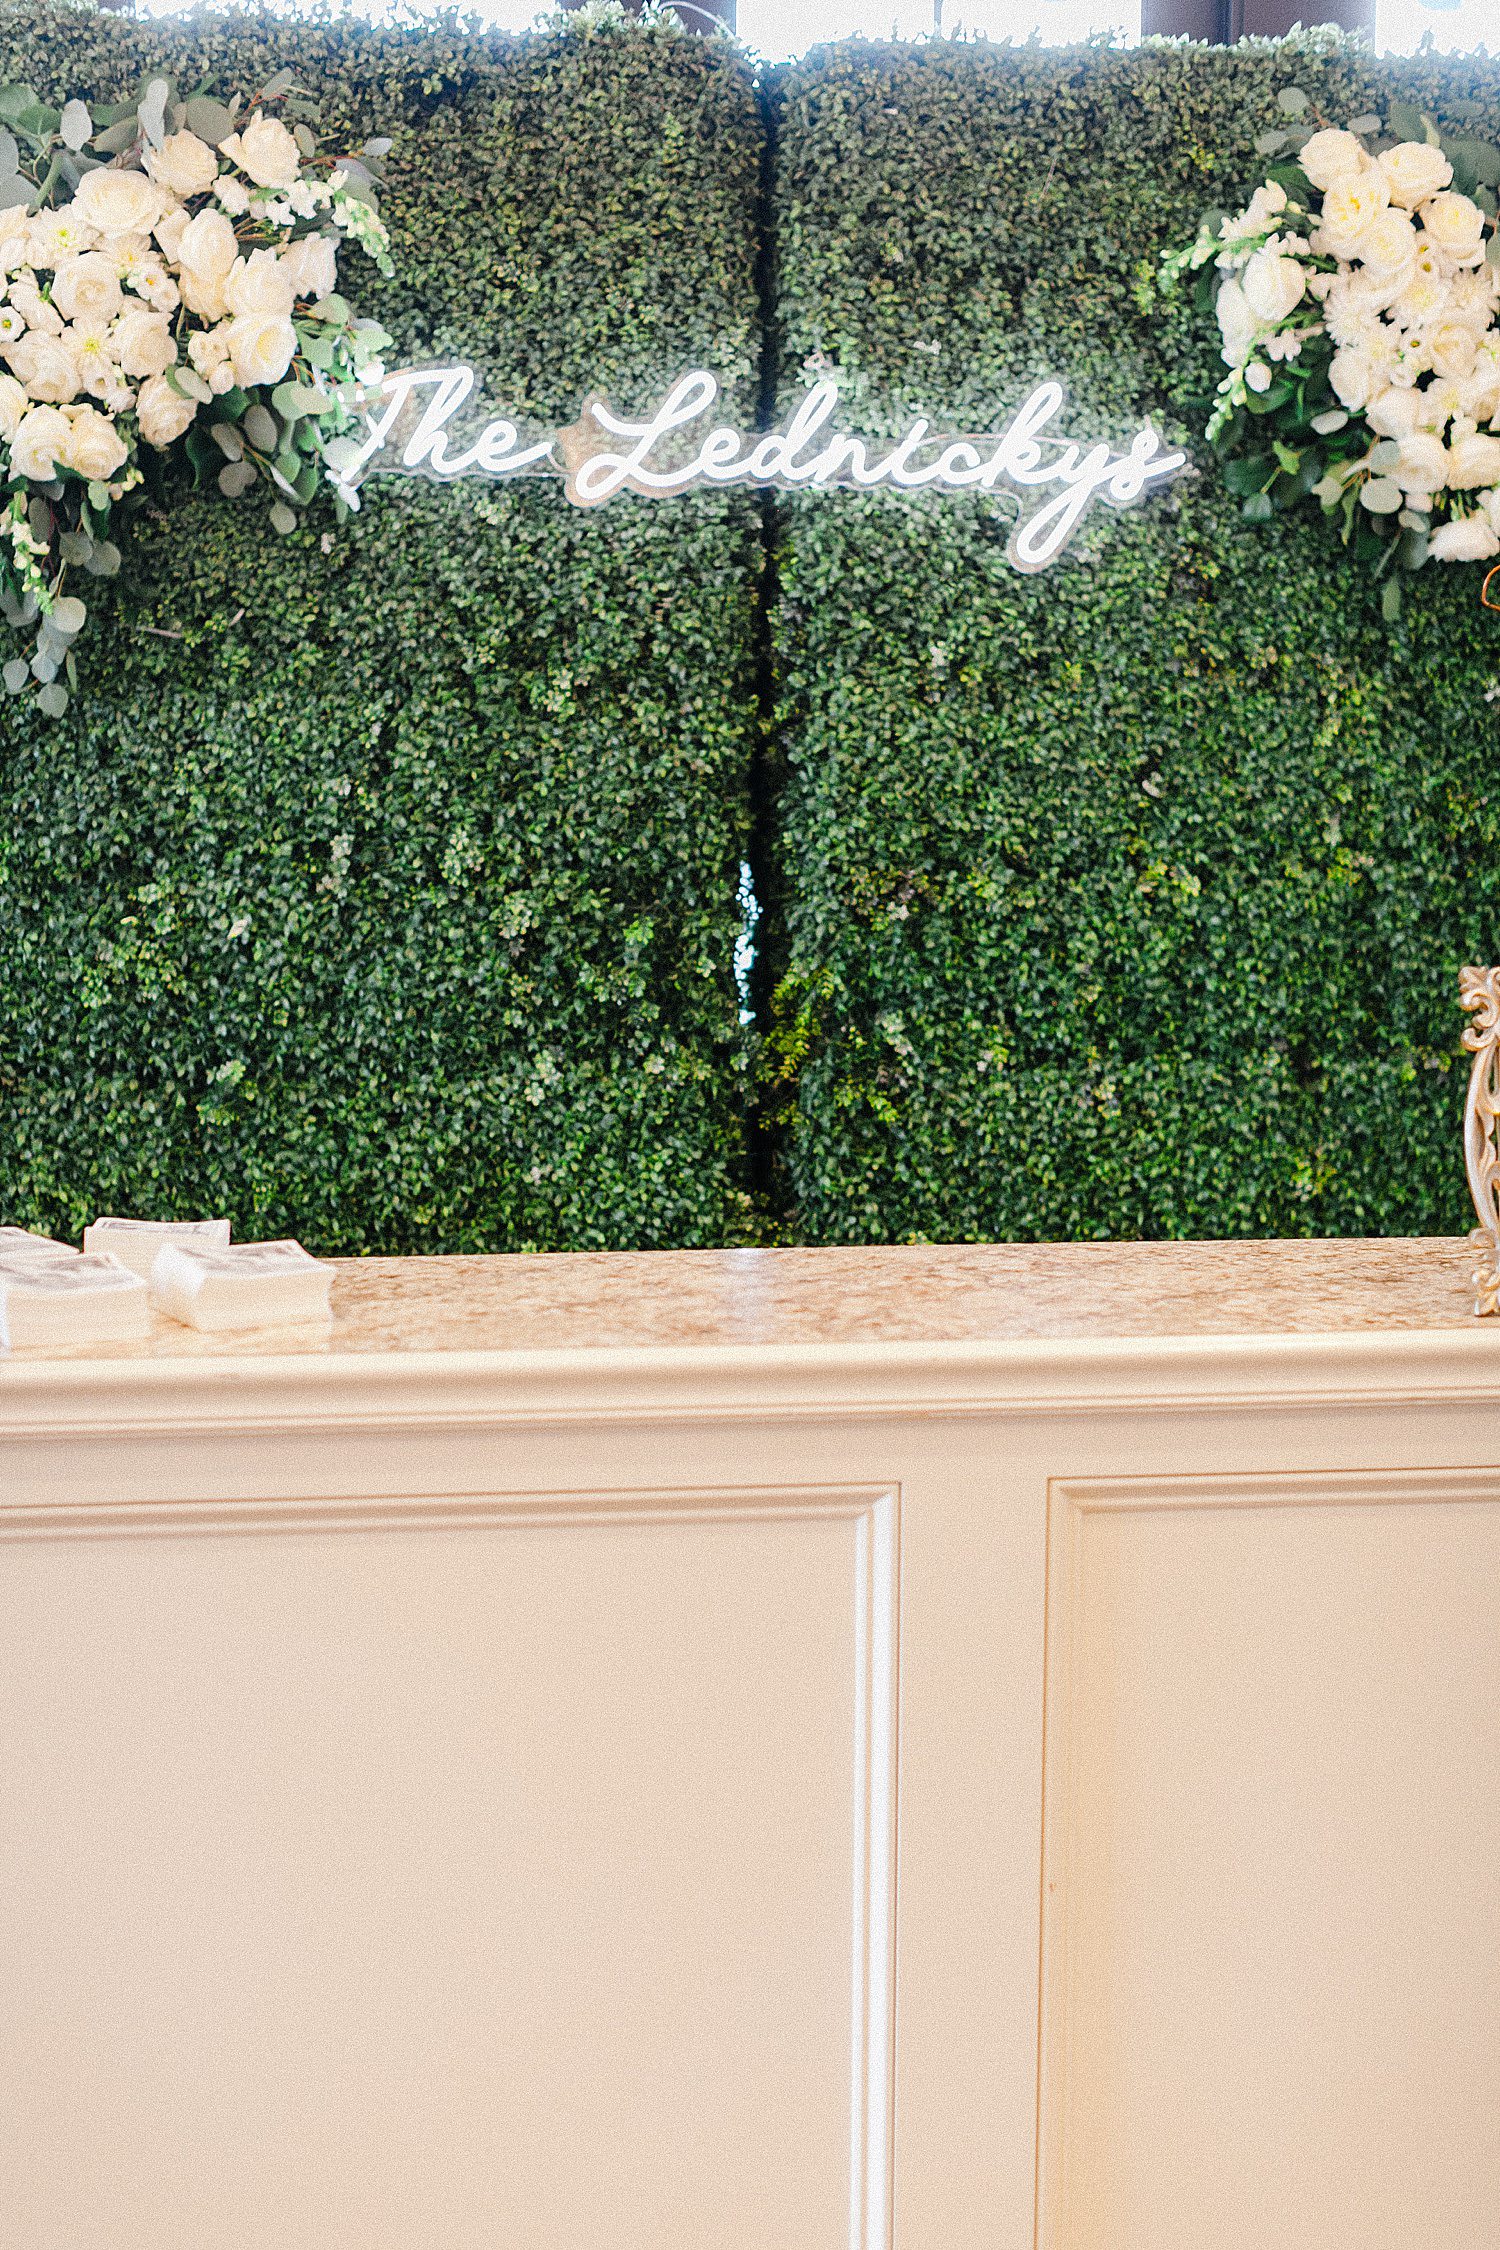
(855,1749)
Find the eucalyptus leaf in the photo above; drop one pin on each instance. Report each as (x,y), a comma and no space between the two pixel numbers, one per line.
(1390,601)
(283,518)
(10,155)
(276,86)
(68,615)
(16,675)
(15,101)
(44,668)
(104,562)
(52,701)
(153,112)
(99,499)
(76,125)
(115,139)
(261,428)
(236,478)
(292,399)
(1406,122)
(209,119)
(380,145)
(39,520)
(228,440)
(1258,509)
(75,547)
(1365,123)
(1271,143)
(1326,424)
(306,141)
(1292,100)
(1386,455)
(14,190)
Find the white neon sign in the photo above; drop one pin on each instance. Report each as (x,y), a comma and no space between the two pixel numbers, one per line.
(605,453)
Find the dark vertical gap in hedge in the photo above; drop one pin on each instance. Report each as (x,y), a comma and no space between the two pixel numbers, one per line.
(767,1173)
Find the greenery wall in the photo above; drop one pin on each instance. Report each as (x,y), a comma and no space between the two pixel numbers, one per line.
(381,886)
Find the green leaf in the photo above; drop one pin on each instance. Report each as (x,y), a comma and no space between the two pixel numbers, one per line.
(75,124)
(1293,101)
(209,119)
(236,478)
(292,399)
(1407,123)
(1249,474)
(1390,600)
(1481,159)
(115,139)
(1290,460)
(283,518)
(17,676)
(52,700)
(1258,509)
(261,428)
(15,101)
(1385,455)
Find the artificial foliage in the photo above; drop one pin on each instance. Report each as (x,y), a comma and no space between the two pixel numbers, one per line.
(375,885)
(1130,898)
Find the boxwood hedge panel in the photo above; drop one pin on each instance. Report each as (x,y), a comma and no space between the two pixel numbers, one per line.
(1127,899)
(380,884)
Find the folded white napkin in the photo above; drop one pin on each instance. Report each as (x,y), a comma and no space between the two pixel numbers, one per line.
(136,1241)
(19,1242)
(243,1285)
(78,1300)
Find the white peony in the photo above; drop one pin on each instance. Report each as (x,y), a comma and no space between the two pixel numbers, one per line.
(1465,539)
(261,346)
(205,298)
(1457,227)
(1237,323)
(1451,349)
(184,164)
(1350,206)
(265,150)
(1392,413)
(163,414)
(46,367)
(95,447)
(12,406)
(1424,463)
(1388,248)
(313,265)
(1273,286)
(207,247)
(40,441)
(119,202)
(1474,461)
(261,284)
(86,287)
(143,342)
(1330,156)
(1413,171)
(1353,377)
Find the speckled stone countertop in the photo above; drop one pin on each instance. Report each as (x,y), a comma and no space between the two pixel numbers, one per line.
(967,1294)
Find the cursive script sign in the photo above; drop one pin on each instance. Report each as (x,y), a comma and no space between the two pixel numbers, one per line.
(678,448)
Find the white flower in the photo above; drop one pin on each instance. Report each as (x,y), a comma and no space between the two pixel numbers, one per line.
(261,285)
(156,285)
(118,202)
(90,343)
(1388,246)
(1451,351)
(313,266)
(11,326)
(303,198)
(1437,405)
(1273,286)
(1427,294)
(207,247)
(184,164)
(1331,156)
(85,287)
(1391,413)
(1352,374)
(276,211)
(1474,461)
(1465,539)
(1349,206)
(205,298)
(265,150)
(233,194)
(1237,323)
(208,348)
(95,447)
(40,440)
(45,366)
(126,253)
(1424,463)
(1413,171)
(33,306)
(1350,315)
(170,231)
(222,379)
(163,414)
(143,342)
(1457,227)
(261,346)
(1258,376)
(12,406)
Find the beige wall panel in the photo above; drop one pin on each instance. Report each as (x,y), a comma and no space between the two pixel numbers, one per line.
(467,1875)
(1272,1864)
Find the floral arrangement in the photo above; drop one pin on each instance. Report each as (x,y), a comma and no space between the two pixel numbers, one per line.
(1358,306)
(168,274)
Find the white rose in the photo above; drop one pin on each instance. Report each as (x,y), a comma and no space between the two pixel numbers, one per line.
(261,347)
(45,366)
(205,298)
(313,265)
(1475,461)
(1388,246)
(260,284)
(1236,323)
(184,164)
(1457,227)
(12,406)
(142,342)
(207,247)
(118,202)
(170,231)
(1349,207)
(86,287)
(1352,375)
(1466,539)
(1413,171)
(1451,350)
(1331,156)
(33,306)
(1424,463)
(163,413)
(208,348)
(266,150)
(40,441)
(1273,286)
(95,447)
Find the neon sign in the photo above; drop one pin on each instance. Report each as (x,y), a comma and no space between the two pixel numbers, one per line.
(670,451)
